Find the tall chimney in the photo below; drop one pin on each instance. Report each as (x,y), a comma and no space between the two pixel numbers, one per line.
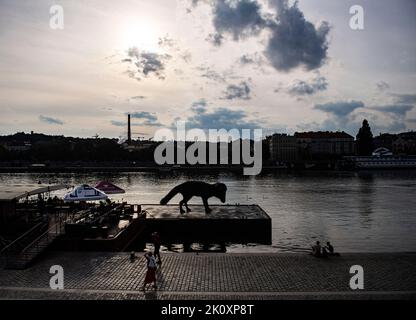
(128,129)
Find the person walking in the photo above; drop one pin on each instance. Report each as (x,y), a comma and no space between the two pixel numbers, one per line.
(151,271)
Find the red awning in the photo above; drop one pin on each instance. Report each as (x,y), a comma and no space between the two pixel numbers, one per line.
(109,188)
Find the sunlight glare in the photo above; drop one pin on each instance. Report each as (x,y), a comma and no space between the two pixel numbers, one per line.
(141,34)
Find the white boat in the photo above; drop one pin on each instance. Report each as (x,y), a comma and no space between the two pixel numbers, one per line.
(85,193)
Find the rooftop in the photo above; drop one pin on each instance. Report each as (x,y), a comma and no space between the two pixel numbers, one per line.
(323,135)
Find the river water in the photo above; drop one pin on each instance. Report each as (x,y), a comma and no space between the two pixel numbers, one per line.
(373,211)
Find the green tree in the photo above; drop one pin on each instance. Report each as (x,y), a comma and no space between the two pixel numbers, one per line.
(365,140)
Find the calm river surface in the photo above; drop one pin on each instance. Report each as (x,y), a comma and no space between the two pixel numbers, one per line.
(356,211)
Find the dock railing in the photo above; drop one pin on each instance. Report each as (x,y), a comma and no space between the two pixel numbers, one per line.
(19,253)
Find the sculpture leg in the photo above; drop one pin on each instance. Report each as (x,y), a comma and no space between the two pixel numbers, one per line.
(185,200)
(180,206)
(207,209)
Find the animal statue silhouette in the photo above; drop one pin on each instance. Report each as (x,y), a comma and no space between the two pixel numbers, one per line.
(201,189)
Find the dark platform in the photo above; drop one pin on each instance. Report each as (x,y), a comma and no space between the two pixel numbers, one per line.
(226,223)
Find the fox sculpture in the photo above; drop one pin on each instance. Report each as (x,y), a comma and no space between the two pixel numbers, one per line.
(201,189)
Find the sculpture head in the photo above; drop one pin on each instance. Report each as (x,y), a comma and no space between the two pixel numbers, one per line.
(221,190)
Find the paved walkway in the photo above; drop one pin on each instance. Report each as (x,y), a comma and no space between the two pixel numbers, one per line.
(215,276)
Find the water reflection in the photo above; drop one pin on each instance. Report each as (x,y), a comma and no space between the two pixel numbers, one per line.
(365,198)
(365,211)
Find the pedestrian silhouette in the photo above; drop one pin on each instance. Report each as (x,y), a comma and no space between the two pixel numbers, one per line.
(151,271)
(157,242)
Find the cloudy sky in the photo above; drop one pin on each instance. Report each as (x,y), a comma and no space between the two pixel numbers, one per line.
(270,64)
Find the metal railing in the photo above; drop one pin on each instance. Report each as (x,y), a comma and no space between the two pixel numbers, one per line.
(19,253)
(18,244)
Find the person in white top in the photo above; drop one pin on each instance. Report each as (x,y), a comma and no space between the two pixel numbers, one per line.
(151,270)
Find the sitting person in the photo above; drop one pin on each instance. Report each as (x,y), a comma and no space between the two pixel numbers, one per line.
(331,250)
(316,249)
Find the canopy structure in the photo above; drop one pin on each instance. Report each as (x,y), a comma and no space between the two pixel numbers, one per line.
(85,193)
(109,188)
(16,192)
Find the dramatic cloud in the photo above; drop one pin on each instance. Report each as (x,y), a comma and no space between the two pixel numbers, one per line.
(118,123)
(194,3)
(209,73)
(240,91)
(143,115)
(219,118)
(50,120)
(166,41)
(295,41)
(239,18)
(380,121)
(252,59)
(151,62)
(150,119)
(404,98)
(132,52)
(199,106)
(222,118)
(147,63)
(304,88)
(382,85)
(398,110)
(246,59)
(147,119)
(342,115)
(340,108)
(215,38)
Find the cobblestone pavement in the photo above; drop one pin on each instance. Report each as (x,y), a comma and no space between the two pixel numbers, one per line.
(215,276)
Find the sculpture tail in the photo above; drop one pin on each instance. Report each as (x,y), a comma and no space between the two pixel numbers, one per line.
(169,196)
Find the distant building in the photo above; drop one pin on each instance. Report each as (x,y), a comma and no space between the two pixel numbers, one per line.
(384,140)
(139,145)
(18,146)
(325,143)
(283,148)
(310,146)
(405,143)
(402,143)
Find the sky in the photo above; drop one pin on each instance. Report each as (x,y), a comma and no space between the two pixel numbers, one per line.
(278,65)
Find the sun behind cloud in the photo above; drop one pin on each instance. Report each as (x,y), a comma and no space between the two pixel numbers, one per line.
(138,32)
